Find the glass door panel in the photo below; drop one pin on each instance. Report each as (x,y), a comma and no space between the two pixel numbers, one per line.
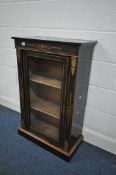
(45,85)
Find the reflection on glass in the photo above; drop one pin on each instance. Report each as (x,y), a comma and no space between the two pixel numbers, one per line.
(45,83)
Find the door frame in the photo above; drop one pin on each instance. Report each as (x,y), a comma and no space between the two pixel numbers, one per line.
(48,56)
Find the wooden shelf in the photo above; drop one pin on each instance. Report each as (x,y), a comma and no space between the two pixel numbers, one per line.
(46,81)
(46,107)
(44,128)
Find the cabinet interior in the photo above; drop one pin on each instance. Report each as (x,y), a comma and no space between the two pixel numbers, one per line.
(45,85)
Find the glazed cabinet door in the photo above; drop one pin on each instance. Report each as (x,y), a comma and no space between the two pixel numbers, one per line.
(45,79)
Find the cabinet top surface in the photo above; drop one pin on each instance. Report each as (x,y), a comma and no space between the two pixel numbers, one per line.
(54,39)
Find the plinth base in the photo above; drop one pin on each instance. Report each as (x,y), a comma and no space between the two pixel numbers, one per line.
(52,148)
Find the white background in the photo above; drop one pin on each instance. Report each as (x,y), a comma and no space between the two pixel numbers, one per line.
(88,19)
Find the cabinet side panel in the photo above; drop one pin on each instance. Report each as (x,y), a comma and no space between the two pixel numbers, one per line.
(81,90)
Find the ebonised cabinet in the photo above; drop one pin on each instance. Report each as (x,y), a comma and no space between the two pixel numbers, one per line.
(53,77)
